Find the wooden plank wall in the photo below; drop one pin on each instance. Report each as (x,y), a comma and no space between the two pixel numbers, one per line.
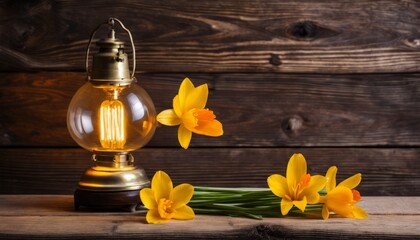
(336,80)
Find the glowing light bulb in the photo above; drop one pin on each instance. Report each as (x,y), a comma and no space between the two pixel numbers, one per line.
(111,119)
(112,127)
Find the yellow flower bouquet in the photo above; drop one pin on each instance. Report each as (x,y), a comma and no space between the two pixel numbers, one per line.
(293,194)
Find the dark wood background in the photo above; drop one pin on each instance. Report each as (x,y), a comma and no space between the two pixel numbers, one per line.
(336,80)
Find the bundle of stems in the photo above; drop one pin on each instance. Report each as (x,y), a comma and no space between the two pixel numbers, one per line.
(253,203)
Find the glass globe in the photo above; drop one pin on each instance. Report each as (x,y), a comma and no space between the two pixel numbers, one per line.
(111,118)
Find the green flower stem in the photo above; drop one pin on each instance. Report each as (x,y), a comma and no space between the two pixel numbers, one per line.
(253,203)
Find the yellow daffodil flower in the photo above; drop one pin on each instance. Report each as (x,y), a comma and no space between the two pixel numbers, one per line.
(189,112)
(341,199)
(165,202)
(298,188)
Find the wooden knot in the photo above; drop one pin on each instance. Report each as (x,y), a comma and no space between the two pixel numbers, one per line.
(414,43)
(292,125)
(305,29)
(274,59)
(308,31)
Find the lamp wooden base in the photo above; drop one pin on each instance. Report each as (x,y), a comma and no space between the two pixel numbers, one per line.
(120,200)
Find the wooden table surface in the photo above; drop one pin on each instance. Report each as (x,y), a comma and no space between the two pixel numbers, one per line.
(53,217)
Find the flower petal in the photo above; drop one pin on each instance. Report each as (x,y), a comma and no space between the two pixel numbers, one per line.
(213,129)
(153,217)
(301,204)
(331,178)
(168,117)
(184,136)
(296,168)
(359,213)
(278,185)
(161,185)
(352,181)
(197,98)
(189,120)
(184,213)
(316,184)
(340,195)
(177,106)
(181,195)
(285,206)
(325,212)
(184,91)
(312,198)
(147,197)
(339,200)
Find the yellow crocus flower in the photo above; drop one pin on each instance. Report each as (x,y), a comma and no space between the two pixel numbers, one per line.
(342,198)
(165,202)
(298,188)
(189,112)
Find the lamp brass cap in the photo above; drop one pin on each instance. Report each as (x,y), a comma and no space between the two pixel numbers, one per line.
(110,65)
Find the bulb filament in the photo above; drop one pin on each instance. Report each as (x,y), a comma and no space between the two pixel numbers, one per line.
(112,129)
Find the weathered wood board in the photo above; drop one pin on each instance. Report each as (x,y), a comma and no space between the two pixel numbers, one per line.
(52,217)
(220,36)
(386,171)
(257,110)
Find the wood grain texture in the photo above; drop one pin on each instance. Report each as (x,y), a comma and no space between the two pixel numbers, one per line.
(336,80)
(62,205)
(257,110)
(219,36)
(390,171)
(32,216)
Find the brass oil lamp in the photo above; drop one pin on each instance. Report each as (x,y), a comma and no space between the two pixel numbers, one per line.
(111,116)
